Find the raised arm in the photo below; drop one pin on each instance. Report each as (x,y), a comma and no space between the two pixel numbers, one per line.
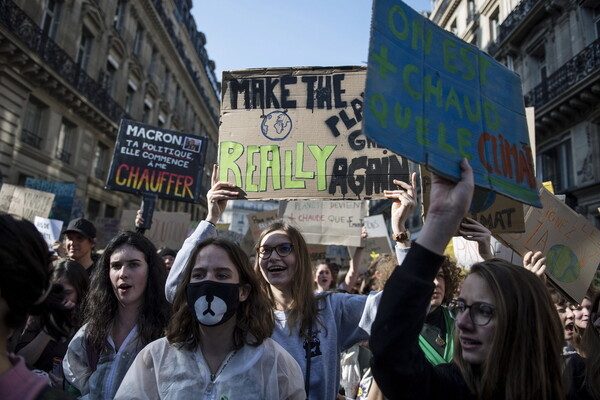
(470,229)
(216,198)
(399,365)
(404,202)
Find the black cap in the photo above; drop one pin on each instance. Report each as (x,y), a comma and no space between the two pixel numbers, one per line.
(167,252)
(82,226)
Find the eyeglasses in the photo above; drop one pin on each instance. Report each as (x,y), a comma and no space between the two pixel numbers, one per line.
(283,249)
(480,313)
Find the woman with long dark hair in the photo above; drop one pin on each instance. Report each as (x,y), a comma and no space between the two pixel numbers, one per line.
(125,311)
(217,343)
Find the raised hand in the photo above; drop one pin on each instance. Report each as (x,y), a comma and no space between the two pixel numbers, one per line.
(470,229)
(536,263)
(218,195)
(404,202)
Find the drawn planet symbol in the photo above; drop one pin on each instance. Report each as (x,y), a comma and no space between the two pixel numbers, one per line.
(482,200)
(276,125)
(562,263)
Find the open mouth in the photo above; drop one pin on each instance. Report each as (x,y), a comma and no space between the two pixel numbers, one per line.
(276,268)
(570,327)
(124,286)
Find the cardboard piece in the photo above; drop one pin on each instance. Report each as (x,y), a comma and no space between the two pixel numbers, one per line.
(496,212)
(436,99)
(150,159)
(568,240)
(64,194)
(260,220)
(106,230)
(376,227)
(49,228)
(328,222)
(375,246)
(25,203)
(169,229)
(296,133)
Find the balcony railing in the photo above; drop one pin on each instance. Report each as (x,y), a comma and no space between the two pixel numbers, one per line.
(31,138)
(511,22)
(19,24)
(570,74)
(63,155)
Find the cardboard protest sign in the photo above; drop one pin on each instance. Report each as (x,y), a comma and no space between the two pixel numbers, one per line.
(374,247)
(49,228)
(64,194)
(25,203)
(296,133)
(169,229)
(328,222)
(150,159)
(260,220)
(436,99)
(496,212)
(568,240)
(375,225)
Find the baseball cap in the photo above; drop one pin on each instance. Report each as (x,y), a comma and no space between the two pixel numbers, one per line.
(82,226)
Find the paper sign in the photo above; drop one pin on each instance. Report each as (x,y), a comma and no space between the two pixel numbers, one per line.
(328,222)
(260,220)
(64,194)
(376,226)
(25,203)
(497,213)
(150,159)
(568,240)
(436,99)
(49,228)
(296,133)
(169,229)
(374,247)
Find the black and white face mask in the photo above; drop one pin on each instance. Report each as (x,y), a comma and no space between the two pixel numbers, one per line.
(213,303)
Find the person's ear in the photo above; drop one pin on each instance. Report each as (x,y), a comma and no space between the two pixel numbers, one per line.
(93,242)
(244,292)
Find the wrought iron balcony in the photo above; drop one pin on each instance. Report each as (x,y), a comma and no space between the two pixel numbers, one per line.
(63,155)
(20,25)
(584,64)
(31,138)
(511,22)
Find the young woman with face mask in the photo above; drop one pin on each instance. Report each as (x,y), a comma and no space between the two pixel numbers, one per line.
(217,343)
(313,329)
(508,336)
(125,310)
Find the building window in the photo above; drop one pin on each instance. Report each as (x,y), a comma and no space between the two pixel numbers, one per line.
(153,61)
(454,27)
(147,111)
(85,49)
(110,211)
(166,82)
(66,136)
(32,123)
(119,15)
(100,160)
(554,164)
(111,75)
(177,94)
(597,20)
(137,42)
(93,209)
(51,18)
(494,25)
(131,89)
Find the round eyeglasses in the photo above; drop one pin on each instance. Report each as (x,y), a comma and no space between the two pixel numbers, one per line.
(480,313)
(283,249)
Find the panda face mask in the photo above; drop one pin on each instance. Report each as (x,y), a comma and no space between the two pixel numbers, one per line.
(213,303)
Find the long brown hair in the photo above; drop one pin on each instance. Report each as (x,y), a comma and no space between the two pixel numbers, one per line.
(254,317)
(528,335)
(590,346)
(303,308)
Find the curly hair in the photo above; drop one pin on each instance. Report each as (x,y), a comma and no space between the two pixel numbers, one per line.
(254,317)
(101,305)
(24,276)
(452,277)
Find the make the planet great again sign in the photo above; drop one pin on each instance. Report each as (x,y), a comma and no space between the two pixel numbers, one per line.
(296,133)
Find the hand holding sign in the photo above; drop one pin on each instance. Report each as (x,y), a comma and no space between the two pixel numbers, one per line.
(536,263)
(218,195)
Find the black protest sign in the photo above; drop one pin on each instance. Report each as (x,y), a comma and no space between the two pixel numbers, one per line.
(150,159)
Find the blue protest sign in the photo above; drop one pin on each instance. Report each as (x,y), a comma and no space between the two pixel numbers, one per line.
(63,200)
(436,99)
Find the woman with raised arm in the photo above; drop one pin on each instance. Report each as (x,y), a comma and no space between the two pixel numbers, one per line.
(508,336)
(314,329)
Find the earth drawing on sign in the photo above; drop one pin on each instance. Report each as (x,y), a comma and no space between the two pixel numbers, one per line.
(562,263)
(276,126)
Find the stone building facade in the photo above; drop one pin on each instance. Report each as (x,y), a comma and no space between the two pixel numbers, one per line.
(71,69)
(554,45)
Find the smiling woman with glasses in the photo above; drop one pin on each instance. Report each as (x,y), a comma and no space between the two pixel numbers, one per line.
(585,371)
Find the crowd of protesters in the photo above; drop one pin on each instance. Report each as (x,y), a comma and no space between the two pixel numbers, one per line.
(207,322)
